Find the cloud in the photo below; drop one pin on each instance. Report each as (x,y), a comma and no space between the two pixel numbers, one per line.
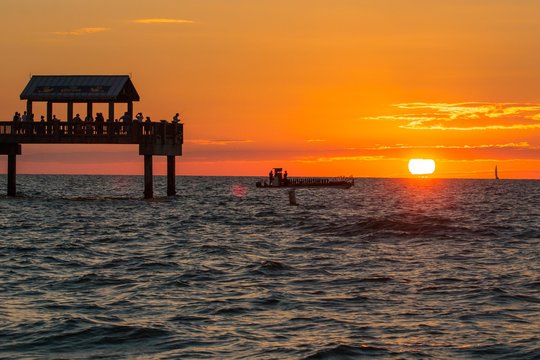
(416,126)
(218,142)
(315,140)
(82,31)
(520,145)
(467,116)
(163,21)
(343,158)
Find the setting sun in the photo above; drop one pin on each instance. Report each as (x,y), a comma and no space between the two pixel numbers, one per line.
(421,166)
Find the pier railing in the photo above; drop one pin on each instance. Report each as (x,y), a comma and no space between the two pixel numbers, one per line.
(59,132)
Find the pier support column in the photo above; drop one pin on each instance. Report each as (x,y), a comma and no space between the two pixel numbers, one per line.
(148,177)
(11,150)
(12,175)
(171,175)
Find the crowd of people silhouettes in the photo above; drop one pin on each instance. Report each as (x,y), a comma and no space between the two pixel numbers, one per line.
(125,125)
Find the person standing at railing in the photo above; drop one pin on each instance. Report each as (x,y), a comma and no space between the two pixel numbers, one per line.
(40,129)
(126,122)
(176,121)
(29,124)
(16,123)
(148,126)
(89,122)
(99,123)
(77,123)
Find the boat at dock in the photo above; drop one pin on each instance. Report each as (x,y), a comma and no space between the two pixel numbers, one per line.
(278,179)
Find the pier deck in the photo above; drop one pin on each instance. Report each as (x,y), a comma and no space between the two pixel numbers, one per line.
(153,138)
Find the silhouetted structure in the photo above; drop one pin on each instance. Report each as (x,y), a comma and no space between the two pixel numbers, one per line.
(153,138)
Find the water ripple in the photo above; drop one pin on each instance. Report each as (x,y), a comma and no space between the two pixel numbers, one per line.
(390,268)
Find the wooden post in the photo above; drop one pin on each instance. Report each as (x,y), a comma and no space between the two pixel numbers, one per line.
(12,175)
(29,109)
(111,111)
(69,111)
(49,110)
(130,109)
(171,175)
(148,178)
(89,110)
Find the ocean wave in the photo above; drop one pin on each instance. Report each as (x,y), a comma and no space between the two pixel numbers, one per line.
(342,351)
(389,268)
(400,224)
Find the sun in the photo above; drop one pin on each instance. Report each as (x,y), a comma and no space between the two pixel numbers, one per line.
(421,166)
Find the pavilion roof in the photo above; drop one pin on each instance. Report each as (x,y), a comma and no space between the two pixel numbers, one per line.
(80,88)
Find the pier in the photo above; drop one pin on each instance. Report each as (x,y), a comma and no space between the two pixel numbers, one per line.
(154,138)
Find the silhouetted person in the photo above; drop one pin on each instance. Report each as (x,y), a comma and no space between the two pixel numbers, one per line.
(176,118)
(126,121)
(99,123)
(147,126)
(271,176)
(88,120)
(16,122)
(77,122)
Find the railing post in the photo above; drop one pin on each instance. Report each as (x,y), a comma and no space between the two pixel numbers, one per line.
(56,130)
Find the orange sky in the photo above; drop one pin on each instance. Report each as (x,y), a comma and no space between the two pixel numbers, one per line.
(336,87)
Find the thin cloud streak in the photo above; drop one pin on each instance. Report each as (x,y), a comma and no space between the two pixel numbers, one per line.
(480,116)
(344,158)
(218,142)
(82,31)
(163,21)
(472,128)
(520,145)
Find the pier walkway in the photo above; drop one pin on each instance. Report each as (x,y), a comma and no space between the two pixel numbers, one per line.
(154,138)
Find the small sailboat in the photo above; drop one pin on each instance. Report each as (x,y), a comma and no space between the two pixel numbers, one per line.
(496,173)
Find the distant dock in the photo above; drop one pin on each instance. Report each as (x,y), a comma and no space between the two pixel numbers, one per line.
(154,138)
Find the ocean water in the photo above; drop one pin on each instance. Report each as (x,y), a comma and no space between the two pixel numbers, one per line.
(390,268)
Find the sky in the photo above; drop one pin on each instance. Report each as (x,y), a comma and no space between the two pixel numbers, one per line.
(320,88)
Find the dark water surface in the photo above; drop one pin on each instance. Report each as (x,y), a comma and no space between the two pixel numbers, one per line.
(391,268)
